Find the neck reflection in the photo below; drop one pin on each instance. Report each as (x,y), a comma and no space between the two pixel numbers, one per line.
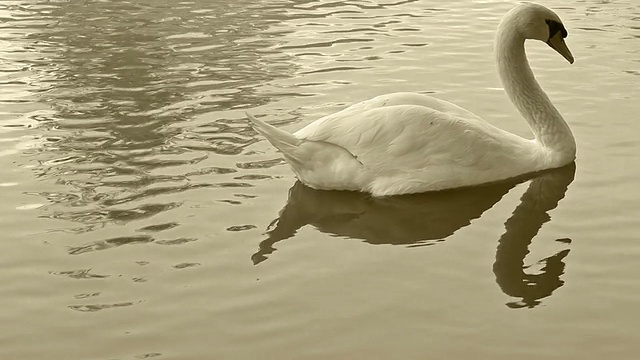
(426,219)
(542,195)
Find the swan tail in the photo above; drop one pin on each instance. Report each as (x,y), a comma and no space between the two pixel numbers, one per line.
(282,140)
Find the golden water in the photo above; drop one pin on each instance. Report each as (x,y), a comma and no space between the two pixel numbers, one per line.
(143,218)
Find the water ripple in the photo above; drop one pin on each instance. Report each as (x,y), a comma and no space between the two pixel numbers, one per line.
(115,215)
(110,244)
(324,44)
(336,68)
(185,265)
(179,241)
(159,227)
(79,274)
(98,307)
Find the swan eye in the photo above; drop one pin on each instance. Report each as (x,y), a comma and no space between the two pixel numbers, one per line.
(555,27)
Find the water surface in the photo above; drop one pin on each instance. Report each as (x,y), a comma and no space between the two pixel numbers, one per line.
(143,217)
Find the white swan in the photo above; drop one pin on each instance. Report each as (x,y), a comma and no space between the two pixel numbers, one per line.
(407,142)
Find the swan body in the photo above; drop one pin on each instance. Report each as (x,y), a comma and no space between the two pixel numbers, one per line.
(404,143)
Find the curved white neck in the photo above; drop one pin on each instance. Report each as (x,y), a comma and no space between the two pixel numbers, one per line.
(548,126)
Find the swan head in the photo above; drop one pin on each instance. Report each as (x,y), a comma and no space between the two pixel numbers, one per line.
(534,21)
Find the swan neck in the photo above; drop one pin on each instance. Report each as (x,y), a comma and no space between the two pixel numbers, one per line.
(548,126)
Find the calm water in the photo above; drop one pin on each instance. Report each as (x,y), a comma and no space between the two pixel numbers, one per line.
(143,218)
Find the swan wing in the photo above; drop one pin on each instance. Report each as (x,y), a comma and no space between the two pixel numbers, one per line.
(418,147)
(408,98)
(394,99)
(402,136)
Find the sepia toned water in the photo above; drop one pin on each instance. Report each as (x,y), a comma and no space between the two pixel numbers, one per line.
(142,217)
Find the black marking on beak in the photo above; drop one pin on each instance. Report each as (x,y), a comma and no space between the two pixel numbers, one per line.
(554,28)
(557,33)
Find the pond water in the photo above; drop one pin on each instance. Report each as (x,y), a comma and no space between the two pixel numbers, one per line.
(142,217)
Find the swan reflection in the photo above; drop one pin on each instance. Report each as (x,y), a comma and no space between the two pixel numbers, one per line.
(425,219)
(542,195)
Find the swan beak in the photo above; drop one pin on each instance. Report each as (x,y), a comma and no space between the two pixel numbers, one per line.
(557,43)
